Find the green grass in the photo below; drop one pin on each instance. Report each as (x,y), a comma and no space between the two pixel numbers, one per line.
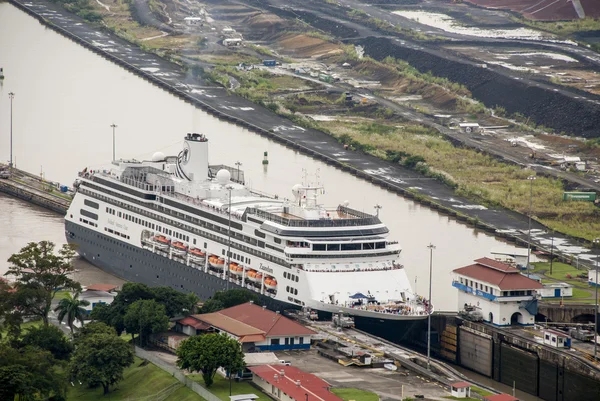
(348,394)
(140,381)
(220,387)
(480,391)
(24,326)
(61,295)
(561,272)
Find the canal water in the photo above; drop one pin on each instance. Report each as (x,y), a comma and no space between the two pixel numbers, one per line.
(66,98)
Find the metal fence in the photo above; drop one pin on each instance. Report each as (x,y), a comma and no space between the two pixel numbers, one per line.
(176,373)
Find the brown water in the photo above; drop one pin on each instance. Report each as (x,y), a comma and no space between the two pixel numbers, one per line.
(66,97)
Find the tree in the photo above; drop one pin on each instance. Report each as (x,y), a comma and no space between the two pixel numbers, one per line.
(48,338)
(145,317)
(72,308)
(227,299)
(101,358)
(207,353)
(176,303)
(41,273)
(30,373)
(112,315)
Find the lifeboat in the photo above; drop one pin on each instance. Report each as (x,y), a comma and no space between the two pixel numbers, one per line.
(161,242)
(252,275)
(270,283)
(178,248)
(196,255)
(236,269)
(216,262)
(255,276)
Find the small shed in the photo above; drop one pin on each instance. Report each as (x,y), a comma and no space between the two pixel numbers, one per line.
(461,390)
(557,290)
(193,20)
(557,339)
(469,127)
(592,275)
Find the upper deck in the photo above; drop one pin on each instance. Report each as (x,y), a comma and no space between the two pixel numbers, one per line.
(343,216)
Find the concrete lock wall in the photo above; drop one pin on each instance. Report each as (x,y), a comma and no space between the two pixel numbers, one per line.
(475,352)
(520,368)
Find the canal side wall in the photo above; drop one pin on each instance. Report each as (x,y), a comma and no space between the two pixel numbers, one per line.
(547,372)
(390,186)
(34,196)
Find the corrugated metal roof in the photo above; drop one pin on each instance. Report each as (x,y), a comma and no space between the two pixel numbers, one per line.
(228,324)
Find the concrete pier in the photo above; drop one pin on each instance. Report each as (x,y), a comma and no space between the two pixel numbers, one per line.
(34,189)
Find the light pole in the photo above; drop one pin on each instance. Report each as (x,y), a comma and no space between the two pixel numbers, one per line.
(531,178)
(431,248)
(11,95)
(238,164)
(229,188)
(596,242)
(113,126)
(377,209)
(551,252)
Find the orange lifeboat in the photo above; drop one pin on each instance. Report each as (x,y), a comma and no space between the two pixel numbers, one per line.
(271,283)
(161,241)
(179,248)
(235,269)
(196,253)
(216,262)
(252,275)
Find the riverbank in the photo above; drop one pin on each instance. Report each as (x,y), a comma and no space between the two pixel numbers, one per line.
(172,78)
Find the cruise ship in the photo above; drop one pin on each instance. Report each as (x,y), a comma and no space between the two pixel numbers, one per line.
(178,221)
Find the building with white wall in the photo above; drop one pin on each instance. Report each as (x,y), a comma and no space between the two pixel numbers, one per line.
(288,383)
(557,339)
(503,295)
(460,390)
(556,290)
(592,277)
(97,294)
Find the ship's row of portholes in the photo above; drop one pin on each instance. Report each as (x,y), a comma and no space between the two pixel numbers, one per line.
(291,276)
(291,290)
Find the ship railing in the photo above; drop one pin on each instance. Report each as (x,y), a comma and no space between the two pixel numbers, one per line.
(404,309)
(201,205)
(362,219)
(355,269)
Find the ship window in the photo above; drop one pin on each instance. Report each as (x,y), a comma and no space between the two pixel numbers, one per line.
(259,234)
(333,247)
(379,245)
(277,240)
(350,247)
(91,204)
(205,246)
(88,214)
(369,245)
(318,247)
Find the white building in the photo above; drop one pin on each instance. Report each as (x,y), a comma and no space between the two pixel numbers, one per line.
(557,290)
(592,277)
(557,339)
(460,390)
(97,294)
(469,127)
(192,21)
(502,294)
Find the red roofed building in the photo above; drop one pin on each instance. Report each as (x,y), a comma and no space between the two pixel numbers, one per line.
(257,328)
(288,383)
(500,292)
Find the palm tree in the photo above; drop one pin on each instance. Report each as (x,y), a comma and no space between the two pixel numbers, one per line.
(71,307)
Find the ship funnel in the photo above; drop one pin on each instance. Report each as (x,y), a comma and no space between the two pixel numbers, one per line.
(192,162)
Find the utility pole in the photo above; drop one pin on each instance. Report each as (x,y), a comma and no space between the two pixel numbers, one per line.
(11,95)
(431,248)
(596,242)
(229,188)
(531,178)
(113,126)
(238,164)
